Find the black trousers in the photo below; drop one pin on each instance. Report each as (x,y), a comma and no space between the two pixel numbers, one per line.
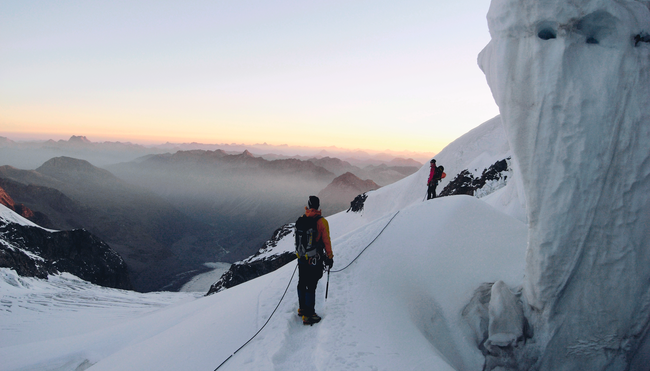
(431,191)
(309,272)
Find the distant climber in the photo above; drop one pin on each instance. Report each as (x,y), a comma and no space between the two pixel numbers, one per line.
(436,174)
(314,251)
(357,204)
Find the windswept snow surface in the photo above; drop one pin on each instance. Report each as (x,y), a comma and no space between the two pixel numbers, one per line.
(60,323)
(397,307)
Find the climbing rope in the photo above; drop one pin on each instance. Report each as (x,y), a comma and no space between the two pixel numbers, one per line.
(289,284)
(365,248)
(265,323)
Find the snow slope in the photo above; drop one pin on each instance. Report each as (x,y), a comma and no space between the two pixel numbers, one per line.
(397,307)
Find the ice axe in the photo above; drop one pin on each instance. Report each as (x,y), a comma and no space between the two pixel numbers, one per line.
(327,287)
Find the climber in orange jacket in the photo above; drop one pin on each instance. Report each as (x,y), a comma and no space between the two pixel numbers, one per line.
(314,251)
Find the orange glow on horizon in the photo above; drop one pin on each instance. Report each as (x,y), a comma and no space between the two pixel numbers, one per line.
(151,134)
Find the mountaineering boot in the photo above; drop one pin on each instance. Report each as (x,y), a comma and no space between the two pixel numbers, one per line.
(310,320)
(300,312)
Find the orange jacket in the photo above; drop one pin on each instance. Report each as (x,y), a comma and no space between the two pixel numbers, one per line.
(323,228)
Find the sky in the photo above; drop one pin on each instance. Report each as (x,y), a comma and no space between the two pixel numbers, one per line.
(353,74)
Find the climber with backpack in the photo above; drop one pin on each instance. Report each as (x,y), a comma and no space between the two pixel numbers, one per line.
(436,174)
(314,251)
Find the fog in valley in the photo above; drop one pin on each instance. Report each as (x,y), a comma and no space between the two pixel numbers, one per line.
(169,210)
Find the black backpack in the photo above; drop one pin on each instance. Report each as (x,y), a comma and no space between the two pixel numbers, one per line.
(437,176)
(306,235)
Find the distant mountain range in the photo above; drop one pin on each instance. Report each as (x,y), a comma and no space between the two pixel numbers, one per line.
(29,155)
(244,197)
(383,174)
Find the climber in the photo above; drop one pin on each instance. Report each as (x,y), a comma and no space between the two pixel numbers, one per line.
(436,174)
(314,251)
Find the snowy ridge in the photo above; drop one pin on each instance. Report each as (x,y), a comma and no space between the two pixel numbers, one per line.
(9,216)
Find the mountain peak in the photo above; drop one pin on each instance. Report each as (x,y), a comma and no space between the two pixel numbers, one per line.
(350,180)
(79,139)
(68,163)
(72,168)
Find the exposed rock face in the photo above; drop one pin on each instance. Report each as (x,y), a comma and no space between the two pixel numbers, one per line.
(343,189)
(573,87)
(36,252)
(465,183)
(263,262)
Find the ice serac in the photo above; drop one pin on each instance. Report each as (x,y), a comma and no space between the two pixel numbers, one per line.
(572,82)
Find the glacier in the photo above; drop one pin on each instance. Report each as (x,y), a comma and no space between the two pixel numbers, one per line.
(572,82)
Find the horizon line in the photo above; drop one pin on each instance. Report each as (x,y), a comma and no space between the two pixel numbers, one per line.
(40,138)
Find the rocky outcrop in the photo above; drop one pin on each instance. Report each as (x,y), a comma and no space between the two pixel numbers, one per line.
(263,262)
(36,252)
(491,179)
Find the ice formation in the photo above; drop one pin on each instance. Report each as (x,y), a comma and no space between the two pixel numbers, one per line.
(572,82)
(506,317)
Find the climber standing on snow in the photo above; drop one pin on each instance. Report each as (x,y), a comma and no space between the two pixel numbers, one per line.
(314,251)
(435,175)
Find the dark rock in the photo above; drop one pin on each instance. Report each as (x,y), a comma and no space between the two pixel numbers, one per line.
(467,184)
(36,252)
(254,267)
(642,37)
(357,204)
